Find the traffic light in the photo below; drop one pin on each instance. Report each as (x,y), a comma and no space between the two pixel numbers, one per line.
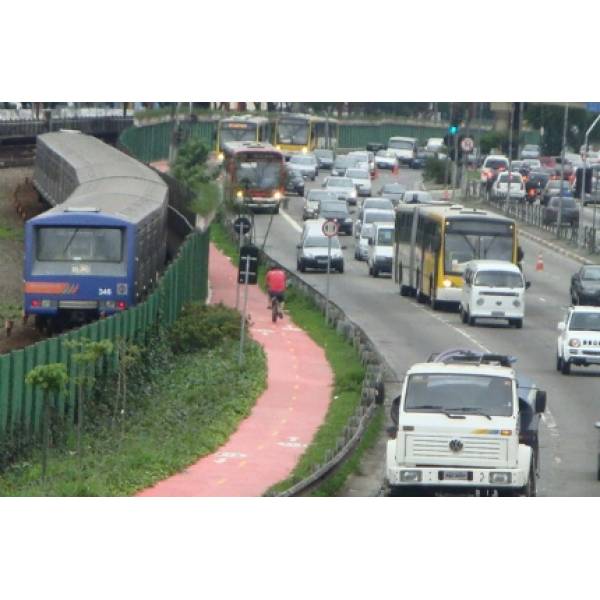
(453,129)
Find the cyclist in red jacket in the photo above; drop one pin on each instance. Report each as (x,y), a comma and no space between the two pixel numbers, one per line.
(276,284)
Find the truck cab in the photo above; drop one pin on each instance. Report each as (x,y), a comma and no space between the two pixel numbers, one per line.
(464,423)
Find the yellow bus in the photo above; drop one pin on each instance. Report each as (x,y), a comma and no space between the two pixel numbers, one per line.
(304,133)
(433,244)
(245,128)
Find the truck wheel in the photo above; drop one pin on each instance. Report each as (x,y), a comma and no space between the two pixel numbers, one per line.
(375,272)
(598,473)
(518,323)
(470,320)
(463,314)
(565,367)
(530,489)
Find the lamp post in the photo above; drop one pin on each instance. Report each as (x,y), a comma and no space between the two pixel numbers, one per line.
(585,155)
(562,171)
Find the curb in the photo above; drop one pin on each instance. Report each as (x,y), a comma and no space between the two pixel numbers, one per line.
(555,247)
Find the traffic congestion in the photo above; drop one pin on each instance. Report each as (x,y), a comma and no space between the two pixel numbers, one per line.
(483,291)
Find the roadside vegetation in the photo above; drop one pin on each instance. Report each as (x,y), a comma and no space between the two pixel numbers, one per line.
(185,395)
(348,376)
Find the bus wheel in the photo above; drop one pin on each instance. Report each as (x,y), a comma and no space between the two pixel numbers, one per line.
(419,294)
(435,305)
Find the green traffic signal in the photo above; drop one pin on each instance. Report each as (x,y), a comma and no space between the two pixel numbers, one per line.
(453,129)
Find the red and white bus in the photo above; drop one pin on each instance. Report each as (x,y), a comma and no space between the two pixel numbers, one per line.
(254,175)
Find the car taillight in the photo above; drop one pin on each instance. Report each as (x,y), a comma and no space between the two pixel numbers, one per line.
(121,305)
(36,303)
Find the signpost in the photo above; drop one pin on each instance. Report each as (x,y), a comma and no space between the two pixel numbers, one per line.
(248,275)
(242,226)
(330,228)
(466,146)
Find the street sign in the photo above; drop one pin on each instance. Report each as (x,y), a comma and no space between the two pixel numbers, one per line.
(592,106)
(248,258)
(467,145)
(330,228)
(242,225)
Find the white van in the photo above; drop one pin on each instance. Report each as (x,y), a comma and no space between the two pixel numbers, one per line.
(404,147)
(493,289)
(381,249)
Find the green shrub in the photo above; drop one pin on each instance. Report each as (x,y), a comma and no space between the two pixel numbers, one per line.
(201,326)
(435,170)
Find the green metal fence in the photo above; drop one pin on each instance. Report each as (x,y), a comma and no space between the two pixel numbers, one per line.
(151,142)
(185,280)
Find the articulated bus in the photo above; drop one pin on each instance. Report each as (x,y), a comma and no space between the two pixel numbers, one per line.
(254,175)
(246,128)
(434,243)
(304,133)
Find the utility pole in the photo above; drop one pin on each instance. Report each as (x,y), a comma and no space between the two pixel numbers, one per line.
(562,171)
(448,155)
(586,150)
(510,142)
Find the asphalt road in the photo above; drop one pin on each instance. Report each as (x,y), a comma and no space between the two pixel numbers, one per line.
(406,332)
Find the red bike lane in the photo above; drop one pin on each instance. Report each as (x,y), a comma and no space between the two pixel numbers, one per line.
(268,443)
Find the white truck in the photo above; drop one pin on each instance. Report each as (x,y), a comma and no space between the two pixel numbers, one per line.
(465,424)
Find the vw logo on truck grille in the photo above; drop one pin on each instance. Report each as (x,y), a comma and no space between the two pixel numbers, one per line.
(455,445)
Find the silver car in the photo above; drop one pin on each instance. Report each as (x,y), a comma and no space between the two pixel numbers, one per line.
(386,159)
(342,187)
(306,164)
(361,248)
(530,151)
(313,249)
(310,209)
(361,179)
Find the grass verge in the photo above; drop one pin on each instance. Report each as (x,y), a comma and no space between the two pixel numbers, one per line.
(343,359)
(191,408)
(333,484)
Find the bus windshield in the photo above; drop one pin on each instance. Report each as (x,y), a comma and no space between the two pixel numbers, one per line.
(247,133)
(89,244)
(471,240)
(258,174)
(292,132)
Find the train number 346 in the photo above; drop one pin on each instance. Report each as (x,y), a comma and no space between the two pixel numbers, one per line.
(104,292)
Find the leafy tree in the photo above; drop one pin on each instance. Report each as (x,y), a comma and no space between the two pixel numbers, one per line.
(52,379)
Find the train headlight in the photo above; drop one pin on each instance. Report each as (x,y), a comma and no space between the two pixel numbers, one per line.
(239,194)
(574,343)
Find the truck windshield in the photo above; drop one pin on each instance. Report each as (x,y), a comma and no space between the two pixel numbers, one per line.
(458,393)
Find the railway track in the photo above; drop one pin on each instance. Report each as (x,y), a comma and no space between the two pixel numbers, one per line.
(16,155)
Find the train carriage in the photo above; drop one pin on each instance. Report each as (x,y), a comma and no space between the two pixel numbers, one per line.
(102,245)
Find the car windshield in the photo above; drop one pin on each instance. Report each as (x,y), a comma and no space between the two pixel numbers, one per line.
(591,274)
(302,160)
(531,162)
(321,242)
(385,237)
(320,195)
(496,163)
(383,204)
(260,174)
(566,202)
(324,153)
(333,206)
(394,188)
(401,145)
(531,147)
(357,174)
(89,244)
(498,279)
(382,216)
(342,161)
(339,182)
(386,153)
(585,322)
(515,178)
(456,393)
(292,132)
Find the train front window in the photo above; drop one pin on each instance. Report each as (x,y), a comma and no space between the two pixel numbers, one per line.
(88,244)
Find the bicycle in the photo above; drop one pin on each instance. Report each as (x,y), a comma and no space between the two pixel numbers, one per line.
(275,311)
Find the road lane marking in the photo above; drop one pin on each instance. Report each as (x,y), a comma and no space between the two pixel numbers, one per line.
(290,220)
(542,299)
(550,422)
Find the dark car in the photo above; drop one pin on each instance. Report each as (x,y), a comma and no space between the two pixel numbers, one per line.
(553,189)
(585,286)
(535,184)
(375,147)
(393,191)
(569,213)
(325,158)
(294,182)
(336,210)
(420,158)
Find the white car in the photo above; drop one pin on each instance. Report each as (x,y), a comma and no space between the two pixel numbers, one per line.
(361,248)
(386,159)
(342,187)
(530,151)
(434,144)
(373,215)
(364,156)
(493,289)
(579,338)
(381,249)
(404,147)
(517,186)
(306,164)
(361,179)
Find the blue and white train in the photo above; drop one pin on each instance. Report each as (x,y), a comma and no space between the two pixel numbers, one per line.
(102,245)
